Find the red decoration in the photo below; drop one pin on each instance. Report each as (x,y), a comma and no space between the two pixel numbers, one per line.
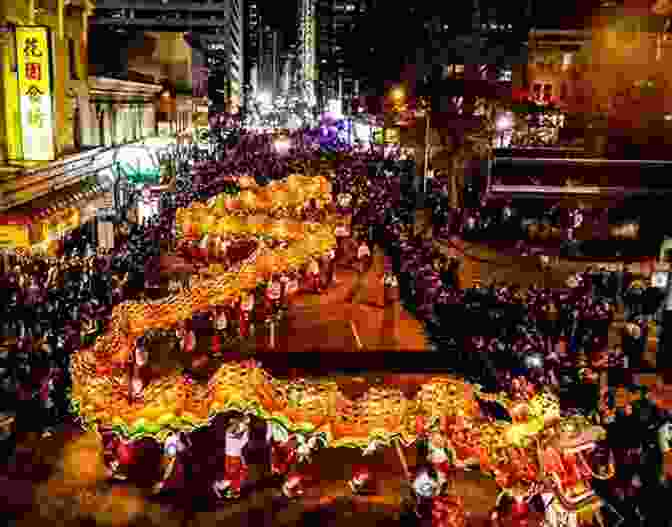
(124,453)
(33,71)
(216,344)
(448,511)
(420,425)
(282,457)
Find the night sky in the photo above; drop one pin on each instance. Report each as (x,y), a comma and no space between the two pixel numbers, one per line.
(282,15)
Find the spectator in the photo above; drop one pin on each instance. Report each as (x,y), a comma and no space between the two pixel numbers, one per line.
(634,343)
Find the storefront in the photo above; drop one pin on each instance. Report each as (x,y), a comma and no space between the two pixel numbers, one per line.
(61,223)
(141,167)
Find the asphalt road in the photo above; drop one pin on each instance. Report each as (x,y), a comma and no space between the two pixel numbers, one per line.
(62,478)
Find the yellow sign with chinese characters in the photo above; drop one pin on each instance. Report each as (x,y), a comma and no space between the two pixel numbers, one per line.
(12,236)
(35,101)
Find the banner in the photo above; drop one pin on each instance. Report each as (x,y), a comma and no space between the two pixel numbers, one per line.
(14,236)
(34,79)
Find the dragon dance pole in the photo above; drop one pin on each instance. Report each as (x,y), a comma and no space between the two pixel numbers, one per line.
(356,335)
(272,336)
(402,459)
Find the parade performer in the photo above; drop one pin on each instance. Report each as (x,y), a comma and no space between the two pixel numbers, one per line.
(364,257)
(174,466)
(223,255)
(363,263)
(237,436)
(273,296)
(292,288)
(221,323)
(139,358)
(292,488)
(118,455)
(441,456)
(425,488)
(245,308)
(390,284)
(312,277)
(189,343)
(327,267)
(361,482)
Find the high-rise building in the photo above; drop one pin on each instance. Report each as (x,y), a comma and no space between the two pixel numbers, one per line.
(269,62)
(252,26)
(216,27)
(289,70)
(326,32)
(308,50)
(486,39)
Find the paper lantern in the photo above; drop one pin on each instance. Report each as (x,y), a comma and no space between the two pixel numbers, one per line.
(124,453)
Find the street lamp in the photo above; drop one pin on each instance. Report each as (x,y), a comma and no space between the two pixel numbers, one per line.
(397,94)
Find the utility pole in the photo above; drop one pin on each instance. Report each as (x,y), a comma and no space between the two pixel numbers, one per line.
(428,145)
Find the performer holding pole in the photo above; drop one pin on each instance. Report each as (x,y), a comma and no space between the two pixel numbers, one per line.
(363,264)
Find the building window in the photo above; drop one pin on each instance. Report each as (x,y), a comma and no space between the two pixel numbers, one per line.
(505,75)
(567,61)
(72,59)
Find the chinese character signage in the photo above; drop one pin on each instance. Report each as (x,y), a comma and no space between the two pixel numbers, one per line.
(14,236)
(34,69)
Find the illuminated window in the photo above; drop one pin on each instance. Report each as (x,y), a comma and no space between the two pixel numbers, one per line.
(459,69)
(567,59)
(505,75)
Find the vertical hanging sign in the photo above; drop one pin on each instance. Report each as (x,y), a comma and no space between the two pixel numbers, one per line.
(35,103)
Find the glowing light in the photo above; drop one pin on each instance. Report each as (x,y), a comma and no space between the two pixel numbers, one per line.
(282,146)
(397,94)
(264,98)
(505,122)
(335,109)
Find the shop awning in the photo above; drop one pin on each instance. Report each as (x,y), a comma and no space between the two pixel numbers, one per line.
(73,196)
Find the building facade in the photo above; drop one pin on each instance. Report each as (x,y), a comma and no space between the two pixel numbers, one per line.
(307,33)
(269,68)
(44,78)
(252,27)
(556,68)
(337,81)
(217,26)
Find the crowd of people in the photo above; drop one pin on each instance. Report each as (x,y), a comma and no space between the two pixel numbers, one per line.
(491,334)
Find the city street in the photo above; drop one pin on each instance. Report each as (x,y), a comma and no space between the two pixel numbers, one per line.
(323,322)
(62,477)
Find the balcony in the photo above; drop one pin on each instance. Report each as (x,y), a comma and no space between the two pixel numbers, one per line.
(177,24)
(214,5)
